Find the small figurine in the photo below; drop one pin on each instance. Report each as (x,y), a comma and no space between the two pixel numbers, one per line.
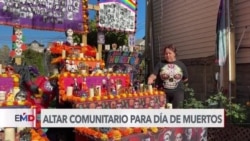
(74,68)
(70,39)
(84,90)
(76,88)
(104,86)
(21,95)
(112,87)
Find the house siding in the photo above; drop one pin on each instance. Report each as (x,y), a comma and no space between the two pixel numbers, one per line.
(188,24)
(242,20)
(191,26)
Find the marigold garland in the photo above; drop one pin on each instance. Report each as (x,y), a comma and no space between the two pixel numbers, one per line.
(16,103)
(115,133)
(57,48)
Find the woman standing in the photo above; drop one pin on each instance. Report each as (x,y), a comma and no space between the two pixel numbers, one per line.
(172,74)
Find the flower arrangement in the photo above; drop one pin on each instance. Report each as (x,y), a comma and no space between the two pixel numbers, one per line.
(58,47)
(38,135)
(88,60)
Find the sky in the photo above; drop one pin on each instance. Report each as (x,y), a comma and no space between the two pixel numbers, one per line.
(45,36)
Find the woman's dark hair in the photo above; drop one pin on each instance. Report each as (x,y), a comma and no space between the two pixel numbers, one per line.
(170,47)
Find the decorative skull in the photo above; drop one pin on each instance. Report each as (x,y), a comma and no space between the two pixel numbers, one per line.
(73,67)
(70,32)
(19,33)
(19,43)
(171,74)
(68,65)
(21,95)
(48,87)
(18,51)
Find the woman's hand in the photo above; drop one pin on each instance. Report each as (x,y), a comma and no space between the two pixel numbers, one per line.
(185,80)
(151,79)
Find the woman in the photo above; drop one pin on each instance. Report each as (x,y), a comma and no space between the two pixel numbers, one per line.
(172,74)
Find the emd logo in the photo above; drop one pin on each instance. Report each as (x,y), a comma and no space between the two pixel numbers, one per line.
(24,117)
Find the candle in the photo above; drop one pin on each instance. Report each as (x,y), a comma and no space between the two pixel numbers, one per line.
(131,49)
(81,55)
(118,86)
(9,134)
(100,50)
(19,129)
(150,88)
(91,92)
(15,90)
(141,87)
(63,54)
(2,95)
(55,71)
(99,90)
(169,106)
(97,56)
(69,91)
(110,70)
(83,71)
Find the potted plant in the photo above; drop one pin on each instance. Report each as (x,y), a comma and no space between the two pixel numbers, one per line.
(235,112)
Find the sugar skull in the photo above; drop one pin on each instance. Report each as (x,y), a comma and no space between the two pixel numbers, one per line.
(19,33)
(73,67)
(68,65)
(18,51)
(50,4)
(70,32)
(171,75)
(48,87)
(19,43)
(21,95)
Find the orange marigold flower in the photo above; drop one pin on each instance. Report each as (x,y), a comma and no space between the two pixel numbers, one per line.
(145,130)
(137,130)
(154,129)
